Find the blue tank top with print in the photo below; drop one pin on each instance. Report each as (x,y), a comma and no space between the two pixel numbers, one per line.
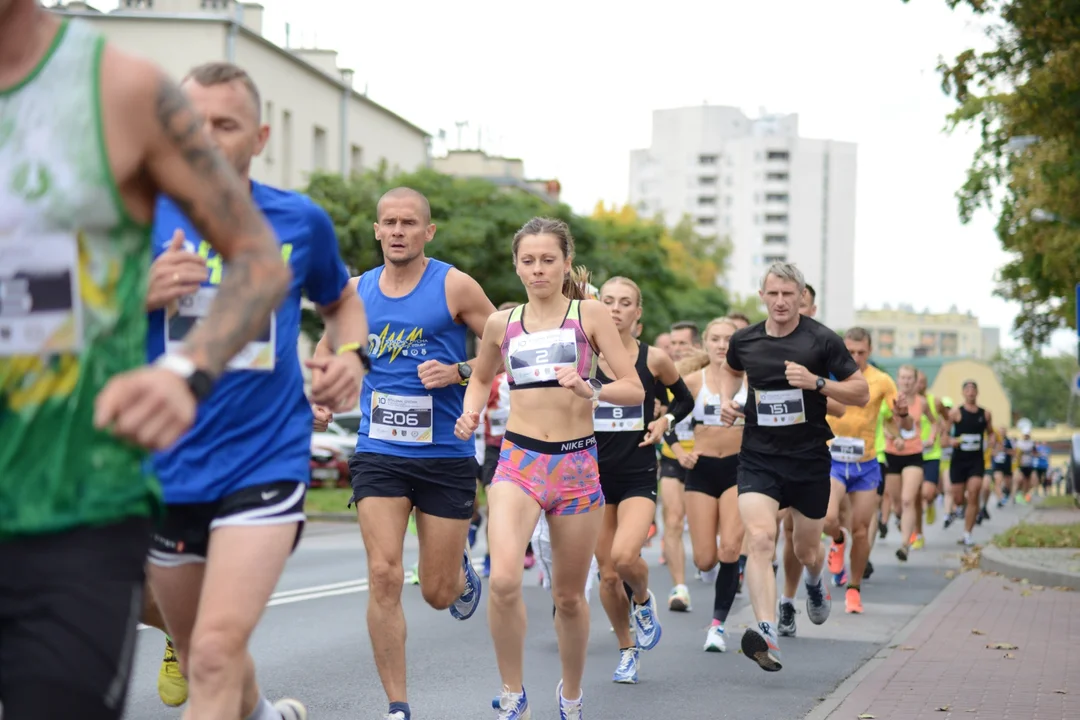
(401,418)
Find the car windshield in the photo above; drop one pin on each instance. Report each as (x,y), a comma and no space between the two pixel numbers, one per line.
(349,423)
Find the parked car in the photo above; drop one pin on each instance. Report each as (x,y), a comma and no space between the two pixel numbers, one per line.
(331,450)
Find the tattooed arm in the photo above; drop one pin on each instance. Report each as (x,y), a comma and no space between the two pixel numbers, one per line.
(182,163)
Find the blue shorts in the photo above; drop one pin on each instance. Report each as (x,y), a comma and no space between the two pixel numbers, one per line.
(857,476)
(931,470)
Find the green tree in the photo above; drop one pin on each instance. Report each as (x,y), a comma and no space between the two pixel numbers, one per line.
(476,221)
(1037,385)
(1023,95)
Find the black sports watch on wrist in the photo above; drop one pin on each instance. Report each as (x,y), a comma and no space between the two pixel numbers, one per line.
(464,369)
(820,384)
(199,382)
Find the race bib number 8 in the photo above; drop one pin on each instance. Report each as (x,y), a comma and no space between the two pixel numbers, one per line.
(188,311)
(618,418)
(534,357)
(398,418)
(847,449)
(779,407)
(40,306)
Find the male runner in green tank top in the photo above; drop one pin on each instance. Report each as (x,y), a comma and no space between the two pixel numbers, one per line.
(89,137)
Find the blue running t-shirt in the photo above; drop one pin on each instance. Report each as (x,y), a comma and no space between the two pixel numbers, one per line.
(401,418)
(255,427)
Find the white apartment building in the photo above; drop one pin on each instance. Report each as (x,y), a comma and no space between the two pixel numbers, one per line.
(318,121)
(775,195)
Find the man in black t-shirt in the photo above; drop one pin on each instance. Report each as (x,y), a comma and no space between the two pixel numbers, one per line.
(787,361)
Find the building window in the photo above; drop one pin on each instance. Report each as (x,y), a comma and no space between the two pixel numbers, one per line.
(356,160)
(776,197)
(286,149)
(781,176)
(318,149)
(139,4)
(770,259)
(780,219)
(707,180)
(706,200)
(268,118)
(215,4)
(776,239)
(778,155)
(707,159)
(706,221)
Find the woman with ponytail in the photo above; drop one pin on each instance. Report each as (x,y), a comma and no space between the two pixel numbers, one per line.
(548,459)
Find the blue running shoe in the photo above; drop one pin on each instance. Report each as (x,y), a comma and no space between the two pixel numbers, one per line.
(512,706)
(464,607)
(646,623)
(568,709)
(626,673)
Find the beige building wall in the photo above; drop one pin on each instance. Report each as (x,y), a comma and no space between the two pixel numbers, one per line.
(906,333)
(951,377)
(303,91)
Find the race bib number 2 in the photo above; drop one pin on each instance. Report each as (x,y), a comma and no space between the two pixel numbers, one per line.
(398,418)
(534,357)
(40,306)
(779,407)
(188,311)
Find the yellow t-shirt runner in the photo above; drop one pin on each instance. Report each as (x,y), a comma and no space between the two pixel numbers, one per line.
(853,450)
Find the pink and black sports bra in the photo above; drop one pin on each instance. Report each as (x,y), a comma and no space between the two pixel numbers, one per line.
(532,358)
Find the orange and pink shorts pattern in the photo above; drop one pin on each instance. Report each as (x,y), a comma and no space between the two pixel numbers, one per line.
(563,477)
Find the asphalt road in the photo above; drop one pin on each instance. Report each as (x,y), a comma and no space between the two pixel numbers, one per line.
(312,644)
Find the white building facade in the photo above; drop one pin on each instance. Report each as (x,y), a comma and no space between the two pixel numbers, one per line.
(775,195)
(318,122)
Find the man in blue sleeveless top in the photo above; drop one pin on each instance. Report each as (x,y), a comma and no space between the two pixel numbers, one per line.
(235,484)
(419,311)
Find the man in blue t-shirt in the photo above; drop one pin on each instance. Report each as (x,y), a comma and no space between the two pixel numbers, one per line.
(234,486)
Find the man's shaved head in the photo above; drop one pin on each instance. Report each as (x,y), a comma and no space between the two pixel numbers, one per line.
(401,193)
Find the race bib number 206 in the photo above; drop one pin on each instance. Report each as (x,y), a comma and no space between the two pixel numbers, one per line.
(40,307)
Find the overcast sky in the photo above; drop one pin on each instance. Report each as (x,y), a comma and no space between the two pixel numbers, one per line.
(569,87)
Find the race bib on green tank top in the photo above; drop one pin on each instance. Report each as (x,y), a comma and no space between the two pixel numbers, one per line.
(40,305)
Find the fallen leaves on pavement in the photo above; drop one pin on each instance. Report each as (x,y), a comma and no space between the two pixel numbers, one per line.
(977,631)
(1002,646)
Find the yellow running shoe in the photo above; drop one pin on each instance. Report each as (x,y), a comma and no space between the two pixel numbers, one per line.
(918,543)
(172,686)
(931,513)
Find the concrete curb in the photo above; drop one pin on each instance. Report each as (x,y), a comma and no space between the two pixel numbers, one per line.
(342,517)
(832,701)
(994,560)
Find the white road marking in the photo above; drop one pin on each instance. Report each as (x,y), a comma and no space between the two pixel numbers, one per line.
(315,592)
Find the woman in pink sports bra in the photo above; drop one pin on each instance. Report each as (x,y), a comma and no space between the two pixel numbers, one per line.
(548,458)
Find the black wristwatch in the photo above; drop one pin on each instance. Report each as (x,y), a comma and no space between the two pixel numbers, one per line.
(464,370)
(820,384)
(199,382)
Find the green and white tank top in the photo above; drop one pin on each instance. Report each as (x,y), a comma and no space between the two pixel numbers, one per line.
(73,274)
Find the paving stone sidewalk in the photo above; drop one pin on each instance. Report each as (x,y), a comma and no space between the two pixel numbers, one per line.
(944,668)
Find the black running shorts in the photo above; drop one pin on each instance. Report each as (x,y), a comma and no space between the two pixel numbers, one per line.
(442,487)
(183,536)
(69,606)
(799,483)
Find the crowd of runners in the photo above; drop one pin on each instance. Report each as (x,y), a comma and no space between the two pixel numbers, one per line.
(166,288)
